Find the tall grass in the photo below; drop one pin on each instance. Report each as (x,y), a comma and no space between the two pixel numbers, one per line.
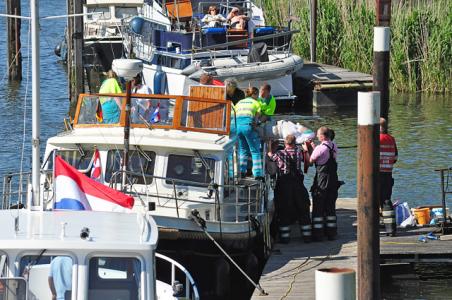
(421,38)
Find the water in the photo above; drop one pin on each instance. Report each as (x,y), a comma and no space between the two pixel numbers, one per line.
(420,281)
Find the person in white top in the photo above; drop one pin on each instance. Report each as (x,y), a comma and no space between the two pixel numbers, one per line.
(213,18)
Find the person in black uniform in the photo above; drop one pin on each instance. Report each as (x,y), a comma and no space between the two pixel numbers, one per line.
(291,197)
(233,93)
(324,189)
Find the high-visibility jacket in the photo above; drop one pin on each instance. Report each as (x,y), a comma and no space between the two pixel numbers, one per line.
(388,152)
(268,106)
(247,108)
(109,86)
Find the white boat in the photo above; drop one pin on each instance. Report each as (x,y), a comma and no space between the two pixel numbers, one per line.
(176,50)
(180,171)
(103,22)
(76,254)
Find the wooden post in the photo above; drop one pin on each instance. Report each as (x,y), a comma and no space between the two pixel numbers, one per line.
(381,55)
(368,195)
(75,53)
(313,30)
(14,53)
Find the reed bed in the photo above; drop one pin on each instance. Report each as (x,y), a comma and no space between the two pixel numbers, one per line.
(421,38)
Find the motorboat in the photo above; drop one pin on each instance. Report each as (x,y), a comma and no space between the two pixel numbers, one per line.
(103,22)
(49,253)
(182,170)
(176,48)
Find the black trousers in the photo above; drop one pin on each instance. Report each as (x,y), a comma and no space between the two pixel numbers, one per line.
(386,184)
(291,200)
(324,218)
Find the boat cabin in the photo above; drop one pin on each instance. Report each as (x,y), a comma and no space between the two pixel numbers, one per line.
(83,255)
(104,18)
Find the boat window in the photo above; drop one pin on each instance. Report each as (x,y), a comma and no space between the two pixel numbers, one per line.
(140,162)
(188,168)
(125,12)
(74,158)
(13,289)
(49,277)
(104,13)
(152,111)
(114,278)
(100,110)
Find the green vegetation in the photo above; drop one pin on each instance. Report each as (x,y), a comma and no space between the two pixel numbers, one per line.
(421,38)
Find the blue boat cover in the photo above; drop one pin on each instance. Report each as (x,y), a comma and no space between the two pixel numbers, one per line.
(214,30)
(264,30)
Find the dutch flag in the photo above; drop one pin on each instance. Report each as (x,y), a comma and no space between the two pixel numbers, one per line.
(75,191)
(155,118)
(96,171)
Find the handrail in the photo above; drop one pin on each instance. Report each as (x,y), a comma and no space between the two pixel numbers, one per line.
(189,281)
(179,112)
(250,201)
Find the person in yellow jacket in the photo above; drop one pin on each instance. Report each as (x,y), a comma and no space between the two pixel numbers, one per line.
(111,107)
(246,111)
(268,102)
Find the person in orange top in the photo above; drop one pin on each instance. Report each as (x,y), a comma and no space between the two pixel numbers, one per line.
(388,157)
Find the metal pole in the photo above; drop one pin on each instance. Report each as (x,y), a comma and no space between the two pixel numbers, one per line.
(125,158)
(35,75)
(313,30)
(368,195)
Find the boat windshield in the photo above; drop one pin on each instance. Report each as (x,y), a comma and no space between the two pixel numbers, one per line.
(114,278)
(102,13)
(13,288)
(125,12)
(184,167)
(75,158)
(49,277)
(141,162)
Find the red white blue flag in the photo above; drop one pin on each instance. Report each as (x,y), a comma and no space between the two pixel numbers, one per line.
(96,170)
(75,191)
(155,118)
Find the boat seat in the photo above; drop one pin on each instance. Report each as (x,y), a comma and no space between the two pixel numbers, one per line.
(236,35)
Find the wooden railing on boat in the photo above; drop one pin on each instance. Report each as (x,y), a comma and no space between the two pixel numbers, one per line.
(186,113)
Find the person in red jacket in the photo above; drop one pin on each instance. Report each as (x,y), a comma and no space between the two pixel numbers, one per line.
(388,157)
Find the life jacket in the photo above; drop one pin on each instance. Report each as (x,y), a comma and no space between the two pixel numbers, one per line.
(388,152)
(326,174)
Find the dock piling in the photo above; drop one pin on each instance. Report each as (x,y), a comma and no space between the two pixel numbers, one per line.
(368,195)
(14,54)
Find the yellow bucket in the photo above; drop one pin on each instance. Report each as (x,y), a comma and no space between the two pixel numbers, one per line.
(422,215)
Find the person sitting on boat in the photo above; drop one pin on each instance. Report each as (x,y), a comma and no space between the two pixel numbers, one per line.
(238,19)
(325,186)
(267,100)
(247,111)
(111,106)
(291,196)
(140,107)
(213,18)
(60,277)
(233,93)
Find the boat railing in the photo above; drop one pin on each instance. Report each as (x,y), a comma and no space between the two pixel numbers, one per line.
(174,112)
(244,199)
(189,290)
(15,189)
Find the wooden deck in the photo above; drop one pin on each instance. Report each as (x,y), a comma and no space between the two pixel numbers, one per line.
(322,85)
(290,270)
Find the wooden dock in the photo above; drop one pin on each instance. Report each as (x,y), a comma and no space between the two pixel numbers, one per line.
(320,85)
(290,270)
